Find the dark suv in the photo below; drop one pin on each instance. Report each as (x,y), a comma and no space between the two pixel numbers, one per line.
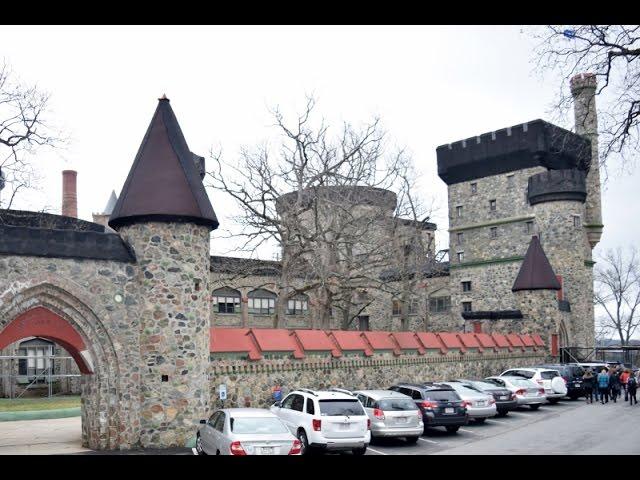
(440,405)
(572,375)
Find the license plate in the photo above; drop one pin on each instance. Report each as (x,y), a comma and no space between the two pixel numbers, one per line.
(577,384)
(504,397)
(402,419)
(267,451)
(481,404)
(344,426)
(448,410)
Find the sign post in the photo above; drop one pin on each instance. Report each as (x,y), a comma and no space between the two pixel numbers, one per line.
(222,393)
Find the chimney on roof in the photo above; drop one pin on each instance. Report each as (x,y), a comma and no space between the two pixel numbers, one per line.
(69,193)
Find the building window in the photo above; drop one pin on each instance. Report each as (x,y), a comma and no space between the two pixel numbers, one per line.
(460,237)
(363,323)
(459,211)
(262,302)
(396,308)
(460,257)
(494,232)
(576,221)
(439,304)
(413,307)
(298,305)
(466,306)
(492,205)
(510,181)
(466,286)
(226,300)
(528,228)
(474,188)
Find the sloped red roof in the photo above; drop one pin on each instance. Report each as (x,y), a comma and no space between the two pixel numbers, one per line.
(232,340)
(515,340)
(431,341)
(528,341)
(486,340)
(501,341)
(381,341)
(538,339)
(451,340)
(408,341)
(350,340)
(470,341)
(276,340)
(316,341)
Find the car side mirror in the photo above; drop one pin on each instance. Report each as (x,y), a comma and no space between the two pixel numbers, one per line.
(203,422)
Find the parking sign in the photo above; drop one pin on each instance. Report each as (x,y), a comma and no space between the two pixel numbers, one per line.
(222,391)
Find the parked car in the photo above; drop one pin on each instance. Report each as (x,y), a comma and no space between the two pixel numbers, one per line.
(392,414)
(527,392)
(480,406)
(554,385)
(505,399)
(596,367)
(245,431)
(572,374)
(325,420)
(441,406)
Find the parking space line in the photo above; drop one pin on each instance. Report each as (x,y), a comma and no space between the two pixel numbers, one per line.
(427,440)
(491,420)
(377,451)
(469,431)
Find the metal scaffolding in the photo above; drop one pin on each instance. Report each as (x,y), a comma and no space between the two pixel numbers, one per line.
(45,374)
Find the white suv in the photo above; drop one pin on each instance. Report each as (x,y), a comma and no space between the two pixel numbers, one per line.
(325,419)
(554,385)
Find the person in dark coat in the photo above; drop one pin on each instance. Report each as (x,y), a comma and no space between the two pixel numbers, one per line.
(632,387)
(587,385)
(614,385)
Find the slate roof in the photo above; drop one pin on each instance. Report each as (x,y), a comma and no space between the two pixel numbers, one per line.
(164,182)
(536,272)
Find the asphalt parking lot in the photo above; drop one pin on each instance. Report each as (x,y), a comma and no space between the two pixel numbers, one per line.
(569,427)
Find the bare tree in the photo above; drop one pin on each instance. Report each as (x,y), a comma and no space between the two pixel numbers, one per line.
(617,292)
(23,130)
(612,53)
(330,203)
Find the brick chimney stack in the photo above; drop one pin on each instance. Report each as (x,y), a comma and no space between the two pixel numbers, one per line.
(69,193)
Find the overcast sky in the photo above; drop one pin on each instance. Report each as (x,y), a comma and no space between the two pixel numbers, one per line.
(430,86)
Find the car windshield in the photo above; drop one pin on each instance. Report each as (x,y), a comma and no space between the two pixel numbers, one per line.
(463,389)
(484,385)
(549,374)
(521,382)
(333,408)
(441,395)
(397,404)
(257,425)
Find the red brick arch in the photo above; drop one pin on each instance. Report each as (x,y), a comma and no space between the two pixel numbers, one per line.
(42,322)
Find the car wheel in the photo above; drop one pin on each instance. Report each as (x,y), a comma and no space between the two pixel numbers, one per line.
(412,439)
(480,420)
(360,451)
(502,414)
(305,449)
(553,401)
(199,448)
(453,429)
(534,407)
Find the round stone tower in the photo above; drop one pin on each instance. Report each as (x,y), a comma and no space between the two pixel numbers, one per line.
(164,213)
(558,198)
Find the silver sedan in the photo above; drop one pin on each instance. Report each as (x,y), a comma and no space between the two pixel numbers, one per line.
(245,431)
(527,392)
(480,406)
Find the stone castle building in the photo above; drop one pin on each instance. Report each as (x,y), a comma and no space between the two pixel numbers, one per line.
(153,321)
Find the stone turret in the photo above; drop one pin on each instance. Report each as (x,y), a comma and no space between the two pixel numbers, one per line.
(164,213)
(583,89)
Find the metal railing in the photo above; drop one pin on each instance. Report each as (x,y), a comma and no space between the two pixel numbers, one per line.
(41,373)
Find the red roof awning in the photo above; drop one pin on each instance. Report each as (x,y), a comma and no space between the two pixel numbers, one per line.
(276,340)
(431,341)
(470,341)
(316,341)
(515,340)
(451,340)
(382,341)
(408,341)
(486,340)
(351,341)
(233,340)
(501,341)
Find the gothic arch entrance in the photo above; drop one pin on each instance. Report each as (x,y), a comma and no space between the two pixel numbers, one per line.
(50,312)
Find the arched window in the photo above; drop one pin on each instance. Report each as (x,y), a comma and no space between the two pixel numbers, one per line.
(226,300)
(262,302)
(298,305)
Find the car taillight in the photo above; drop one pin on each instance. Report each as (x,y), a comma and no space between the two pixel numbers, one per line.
(522,391)
(236,449)
(513,396)
(492,401)
(368,424)
(541,390)
(297,447)
(379,414)
(466,404)
(428,405)
(317,425)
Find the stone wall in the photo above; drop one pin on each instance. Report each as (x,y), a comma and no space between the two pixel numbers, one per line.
(250,384)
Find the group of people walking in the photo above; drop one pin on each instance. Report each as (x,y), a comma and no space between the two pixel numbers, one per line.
(609,384)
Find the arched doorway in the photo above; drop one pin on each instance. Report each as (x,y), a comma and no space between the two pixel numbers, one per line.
(50,312)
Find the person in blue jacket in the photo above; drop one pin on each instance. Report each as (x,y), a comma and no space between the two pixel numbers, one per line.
(603,386)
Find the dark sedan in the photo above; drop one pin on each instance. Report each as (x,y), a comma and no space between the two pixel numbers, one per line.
(505,399)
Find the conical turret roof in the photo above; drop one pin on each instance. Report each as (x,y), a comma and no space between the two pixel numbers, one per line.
(164,183)
(536,272)
(113,199)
